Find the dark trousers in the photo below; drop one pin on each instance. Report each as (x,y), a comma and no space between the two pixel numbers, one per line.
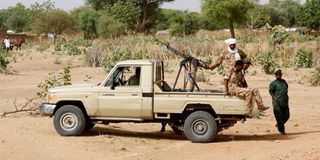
(282,115)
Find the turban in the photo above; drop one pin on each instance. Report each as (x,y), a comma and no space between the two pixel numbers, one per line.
(230,41)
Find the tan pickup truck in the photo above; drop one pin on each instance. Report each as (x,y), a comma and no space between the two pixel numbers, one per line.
(135,91)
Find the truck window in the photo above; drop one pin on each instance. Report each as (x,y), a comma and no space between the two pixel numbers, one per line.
(125,76)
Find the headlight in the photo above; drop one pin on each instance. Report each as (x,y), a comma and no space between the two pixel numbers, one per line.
(50,96)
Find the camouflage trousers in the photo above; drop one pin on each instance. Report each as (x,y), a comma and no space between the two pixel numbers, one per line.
(251,95)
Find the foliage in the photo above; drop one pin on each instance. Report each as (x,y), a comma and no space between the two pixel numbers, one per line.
(63,78)
(16,18)
(87,20)
(259,16)
(121,53)
(303,58)
(247,38)
(57,47)
(43,47)
(109,27)
(227,11)
(278,37)
(315,77)
(309,14)
(95,54)
(4,61)
(125,12)
(55,22)
(72,46)
(266,61)
(283,12)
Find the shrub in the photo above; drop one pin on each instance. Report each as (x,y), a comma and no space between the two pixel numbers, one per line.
(108,27)
(4,61)
(95,54)
(315,77)
(267,62)
(303,58)
(278,37)
(63,78)
(247,38)
(43,47)
(73,46)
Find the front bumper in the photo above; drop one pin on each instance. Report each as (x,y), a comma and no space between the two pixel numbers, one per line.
(47,109)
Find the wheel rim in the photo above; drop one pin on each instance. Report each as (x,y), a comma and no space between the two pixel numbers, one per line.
(68,121)
(200,127)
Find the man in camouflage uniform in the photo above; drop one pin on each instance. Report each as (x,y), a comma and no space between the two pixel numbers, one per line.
(233,87)
(228,58)
(278,90)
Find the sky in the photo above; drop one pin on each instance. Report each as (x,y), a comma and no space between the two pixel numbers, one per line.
(191,5)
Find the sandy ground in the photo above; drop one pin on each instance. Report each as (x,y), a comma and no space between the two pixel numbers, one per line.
(32,137)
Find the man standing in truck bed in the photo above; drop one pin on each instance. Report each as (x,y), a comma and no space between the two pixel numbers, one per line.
(229,57)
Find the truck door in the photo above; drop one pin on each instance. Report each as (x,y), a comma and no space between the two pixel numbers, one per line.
(122,95)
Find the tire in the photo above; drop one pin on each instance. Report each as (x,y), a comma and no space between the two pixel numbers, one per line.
(69,120)
(200,127)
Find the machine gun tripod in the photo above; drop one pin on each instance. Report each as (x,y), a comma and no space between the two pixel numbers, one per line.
(190,66)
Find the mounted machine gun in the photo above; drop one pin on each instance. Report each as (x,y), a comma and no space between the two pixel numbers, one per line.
(190,65)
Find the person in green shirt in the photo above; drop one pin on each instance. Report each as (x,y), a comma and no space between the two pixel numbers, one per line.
(278,90)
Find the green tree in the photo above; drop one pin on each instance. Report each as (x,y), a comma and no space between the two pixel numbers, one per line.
(148,9)
(17,18)
(259,16)
(283,12)
(125,12)
(309,14)
(227,11)
(87,20)
(55,22)
(109,27)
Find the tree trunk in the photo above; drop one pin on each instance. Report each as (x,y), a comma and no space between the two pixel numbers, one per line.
(231,28)
(145,18)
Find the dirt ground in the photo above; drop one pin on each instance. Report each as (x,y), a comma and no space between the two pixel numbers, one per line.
(33,137)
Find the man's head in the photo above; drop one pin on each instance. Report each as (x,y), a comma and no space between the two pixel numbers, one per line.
(231,42)
(239,65)
(7,37)
(246,64)
(278,74)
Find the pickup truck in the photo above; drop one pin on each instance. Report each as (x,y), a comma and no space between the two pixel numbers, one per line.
(136,91)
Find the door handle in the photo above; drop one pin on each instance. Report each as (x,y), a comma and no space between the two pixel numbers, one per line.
(134,94)
(108,95)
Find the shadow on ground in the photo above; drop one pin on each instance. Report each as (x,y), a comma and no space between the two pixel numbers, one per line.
(169,134)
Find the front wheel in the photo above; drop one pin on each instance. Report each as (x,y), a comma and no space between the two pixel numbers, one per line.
(69,120)
(200,127)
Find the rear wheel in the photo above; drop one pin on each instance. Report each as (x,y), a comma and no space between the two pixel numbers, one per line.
(69,120)
(200,127)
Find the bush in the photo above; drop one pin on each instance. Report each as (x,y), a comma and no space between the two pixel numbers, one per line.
(72,46)
(43,47)
(303,58)
(247,38)
(64,78)
(95,54)
(315,77)
(267,62)
(4,61)
(108,27)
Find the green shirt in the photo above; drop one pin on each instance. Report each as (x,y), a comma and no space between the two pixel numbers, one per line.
(279,89)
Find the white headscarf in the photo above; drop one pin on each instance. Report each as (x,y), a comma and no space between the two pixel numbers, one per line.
(233,51)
